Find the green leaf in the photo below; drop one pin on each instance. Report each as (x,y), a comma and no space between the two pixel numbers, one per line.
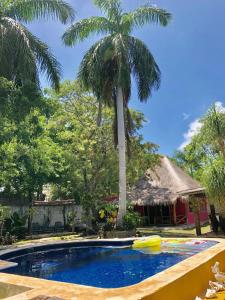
(29,10)
(84,28)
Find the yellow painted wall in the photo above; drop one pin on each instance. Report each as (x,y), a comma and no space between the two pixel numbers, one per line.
(192,284)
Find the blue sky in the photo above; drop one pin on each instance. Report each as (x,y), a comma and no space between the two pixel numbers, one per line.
(190,53)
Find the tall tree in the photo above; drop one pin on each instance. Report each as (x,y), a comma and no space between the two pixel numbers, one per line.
(108,65)
(91,159)
(21,53)
(213,128)
(204,158)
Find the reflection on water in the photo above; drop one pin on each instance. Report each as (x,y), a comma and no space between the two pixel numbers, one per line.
(107,267)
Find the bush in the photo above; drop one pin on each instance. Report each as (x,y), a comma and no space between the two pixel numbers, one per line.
(131,220)
(105,219)
(15,225)
(19,232)
(7,239)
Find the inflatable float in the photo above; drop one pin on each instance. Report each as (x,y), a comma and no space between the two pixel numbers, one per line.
(153,243)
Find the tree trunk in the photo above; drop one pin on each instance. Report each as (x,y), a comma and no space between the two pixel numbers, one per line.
(99,116)
(122,155)
(222,223)
(213,219)
(64,216)
(73,218)
(1,228)
(30,216)
(197,223)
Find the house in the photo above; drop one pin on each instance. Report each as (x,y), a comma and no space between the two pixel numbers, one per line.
(162,196)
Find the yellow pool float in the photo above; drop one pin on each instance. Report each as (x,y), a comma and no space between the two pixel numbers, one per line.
(153,243)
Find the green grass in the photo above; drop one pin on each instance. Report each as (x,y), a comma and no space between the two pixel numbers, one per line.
(68,237)
(179,232)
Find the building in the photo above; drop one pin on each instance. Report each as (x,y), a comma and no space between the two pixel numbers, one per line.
(163,196)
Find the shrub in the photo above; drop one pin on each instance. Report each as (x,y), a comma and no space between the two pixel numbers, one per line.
(131,220)
(7,239)
(15,225)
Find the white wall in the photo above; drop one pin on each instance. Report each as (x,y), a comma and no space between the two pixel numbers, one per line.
(53,213)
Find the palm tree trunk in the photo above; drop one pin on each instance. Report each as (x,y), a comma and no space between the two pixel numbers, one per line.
(197,223)
(213,219)
(99,116)
(1,229)
(122,155)
(30,217)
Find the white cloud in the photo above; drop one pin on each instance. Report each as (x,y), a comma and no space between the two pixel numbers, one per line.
(219,106)
(185,116)
(196,125)
(193,129)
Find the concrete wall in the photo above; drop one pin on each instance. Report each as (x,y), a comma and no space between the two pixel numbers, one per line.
(44,214)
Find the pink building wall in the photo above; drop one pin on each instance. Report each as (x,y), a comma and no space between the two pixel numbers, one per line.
(203,214)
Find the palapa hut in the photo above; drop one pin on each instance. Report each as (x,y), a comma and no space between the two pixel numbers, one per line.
(162,196)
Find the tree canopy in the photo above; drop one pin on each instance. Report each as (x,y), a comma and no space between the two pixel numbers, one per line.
(92,168)
(23,55)
(60,144)
(108,66)
(204,157)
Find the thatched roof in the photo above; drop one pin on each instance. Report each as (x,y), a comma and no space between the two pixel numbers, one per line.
(162,186)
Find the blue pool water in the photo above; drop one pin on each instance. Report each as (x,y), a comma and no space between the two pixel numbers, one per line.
(107,267)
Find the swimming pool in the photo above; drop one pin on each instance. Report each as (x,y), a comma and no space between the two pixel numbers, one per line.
(104,266)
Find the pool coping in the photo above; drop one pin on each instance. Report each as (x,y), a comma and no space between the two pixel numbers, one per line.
(145,289)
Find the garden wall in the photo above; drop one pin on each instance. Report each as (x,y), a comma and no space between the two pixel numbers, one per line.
(48,213)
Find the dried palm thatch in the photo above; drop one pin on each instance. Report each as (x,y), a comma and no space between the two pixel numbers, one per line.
(163,186)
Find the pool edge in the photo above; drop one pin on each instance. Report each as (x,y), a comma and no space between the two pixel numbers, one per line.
(169,284)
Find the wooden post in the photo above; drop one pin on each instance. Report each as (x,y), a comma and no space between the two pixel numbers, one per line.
(171,214)
(195,205)
(213,219)
(197,223)
(148,214)
(174,214)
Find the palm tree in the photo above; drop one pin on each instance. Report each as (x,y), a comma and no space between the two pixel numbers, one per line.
(108,65)
(21,53)
(213,128)
(214,181)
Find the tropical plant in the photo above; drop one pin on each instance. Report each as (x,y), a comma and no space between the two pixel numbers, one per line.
(204,159)
(107,67)
(192,158)
(16,225)
(213,129)
(4,214)
(214,181)
(71,218)
(21,53)
(7,239)
(91,161)
(131,219)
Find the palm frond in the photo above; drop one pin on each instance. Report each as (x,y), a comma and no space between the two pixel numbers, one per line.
(106,5)
(93,64)
(28,10)
(144,68)
(112,8)
(214,181)
(17,59)
(46,61)
(24,52)
(82,29)
(143,15)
